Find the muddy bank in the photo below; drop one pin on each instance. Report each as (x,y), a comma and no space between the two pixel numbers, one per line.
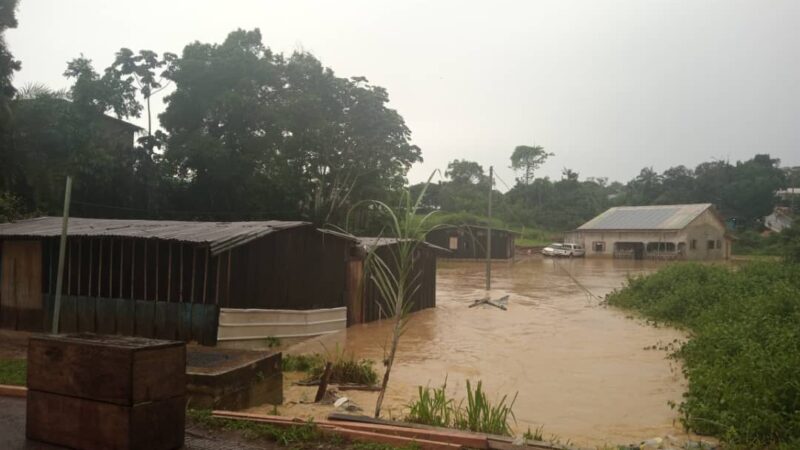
(580,369)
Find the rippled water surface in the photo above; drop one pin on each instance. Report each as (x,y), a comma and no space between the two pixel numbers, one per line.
(580,369)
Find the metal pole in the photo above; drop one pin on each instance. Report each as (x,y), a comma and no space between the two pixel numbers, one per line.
(489,235)
(62,250)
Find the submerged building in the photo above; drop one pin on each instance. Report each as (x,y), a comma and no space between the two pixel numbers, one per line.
(469,242)
(693,232)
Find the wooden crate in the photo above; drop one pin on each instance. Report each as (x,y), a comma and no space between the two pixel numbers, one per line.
(106,392)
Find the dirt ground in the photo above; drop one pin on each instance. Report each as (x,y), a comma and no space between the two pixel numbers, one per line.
(13,344)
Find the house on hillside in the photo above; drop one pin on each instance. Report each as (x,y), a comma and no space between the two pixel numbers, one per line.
(469,242)
(366,304)
(693,232)
(779,220)
(232,283)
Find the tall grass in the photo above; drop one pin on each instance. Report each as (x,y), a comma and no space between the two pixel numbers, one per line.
(478,414)
(743,357)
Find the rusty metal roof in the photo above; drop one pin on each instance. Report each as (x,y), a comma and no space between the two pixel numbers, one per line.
(220,236)
(655,217)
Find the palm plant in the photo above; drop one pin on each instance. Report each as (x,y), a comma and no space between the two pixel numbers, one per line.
(394,275)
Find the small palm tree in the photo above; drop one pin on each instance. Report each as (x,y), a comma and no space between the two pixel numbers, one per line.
(395,277)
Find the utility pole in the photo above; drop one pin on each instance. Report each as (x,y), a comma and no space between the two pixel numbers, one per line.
(489,234)
(62,250)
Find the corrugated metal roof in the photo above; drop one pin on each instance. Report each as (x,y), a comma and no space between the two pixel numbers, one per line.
(656,217)
(220,236)
(371,243)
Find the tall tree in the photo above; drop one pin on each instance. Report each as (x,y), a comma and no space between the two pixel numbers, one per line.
(465,172)
(254,133)
(8,65)
(147,70)
(527,159)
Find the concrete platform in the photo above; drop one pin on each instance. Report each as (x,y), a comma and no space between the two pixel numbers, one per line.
(232,379)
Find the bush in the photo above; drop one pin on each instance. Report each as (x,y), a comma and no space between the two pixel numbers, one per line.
(743,357)
(346,368)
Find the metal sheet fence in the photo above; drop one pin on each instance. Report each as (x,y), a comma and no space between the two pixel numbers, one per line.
(151,319)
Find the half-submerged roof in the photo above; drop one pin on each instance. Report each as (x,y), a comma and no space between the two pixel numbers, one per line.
(220,236)
(655,217)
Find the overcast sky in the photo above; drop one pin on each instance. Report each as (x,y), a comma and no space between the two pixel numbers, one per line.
(608,86)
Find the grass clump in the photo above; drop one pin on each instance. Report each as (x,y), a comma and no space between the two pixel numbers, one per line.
(478,414)
(346,368)
(288,436)
(13,371)
(743,356)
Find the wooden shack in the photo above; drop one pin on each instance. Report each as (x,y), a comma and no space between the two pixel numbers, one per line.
(166,279)
(469,242)
(366,303)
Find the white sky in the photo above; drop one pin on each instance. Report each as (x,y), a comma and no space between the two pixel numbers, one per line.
(608,86)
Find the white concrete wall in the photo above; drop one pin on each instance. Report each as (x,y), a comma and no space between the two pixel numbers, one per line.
(704,228)
(252,328)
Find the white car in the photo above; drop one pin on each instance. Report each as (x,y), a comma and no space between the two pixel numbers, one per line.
(551,250)
(571,250)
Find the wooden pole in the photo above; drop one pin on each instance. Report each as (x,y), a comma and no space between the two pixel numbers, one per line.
(121,259)
(91,267)
(169,270)
(194,271)
(205,276)
(144,270)
(158,254)
(180,282)
(62,250)
(489,235)
(100,269)
(69,270)
(228,282)
(111,268)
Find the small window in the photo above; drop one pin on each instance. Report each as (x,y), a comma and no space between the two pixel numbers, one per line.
(711,245)
(599,246)
(693,244)
(453,242)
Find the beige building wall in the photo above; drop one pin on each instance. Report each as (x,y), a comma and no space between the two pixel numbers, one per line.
(703,239)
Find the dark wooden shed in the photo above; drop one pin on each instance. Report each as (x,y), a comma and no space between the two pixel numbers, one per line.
(165,279)
(366,303)
(469,242)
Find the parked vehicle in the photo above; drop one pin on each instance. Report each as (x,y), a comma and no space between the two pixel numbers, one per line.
(551,250)
(571,250)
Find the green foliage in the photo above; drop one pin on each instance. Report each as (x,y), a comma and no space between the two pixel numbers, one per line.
(10,207)
(478,414)
(13,371)
(346,368)
(254,131)
(790,244)
(301,363)
(750,242)
(743,357)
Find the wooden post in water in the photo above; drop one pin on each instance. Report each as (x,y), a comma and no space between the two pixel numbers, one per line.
(62,250)
(489,235)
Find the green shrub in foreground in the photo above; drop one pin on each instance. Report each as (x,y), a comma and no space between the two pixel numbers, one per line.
(743,358)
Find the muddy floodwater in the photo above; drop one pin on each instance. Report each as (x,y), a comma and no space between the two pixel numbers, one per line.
(580,369)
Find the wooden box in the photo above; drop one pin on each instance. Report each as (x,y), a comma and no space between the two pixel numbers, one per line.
(106,392)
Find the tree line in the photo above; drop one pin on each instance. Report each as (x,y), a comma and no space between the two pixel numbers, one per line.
(246,133)
(743,192)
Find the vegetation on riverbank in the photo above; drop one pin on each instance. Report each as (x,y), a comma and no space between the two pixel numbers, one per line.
(346,368)
(13,371)
(479,414)
(743,357)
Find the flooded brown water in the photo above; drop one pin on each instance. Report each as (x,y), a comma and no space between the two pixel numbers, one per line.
(580,369)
